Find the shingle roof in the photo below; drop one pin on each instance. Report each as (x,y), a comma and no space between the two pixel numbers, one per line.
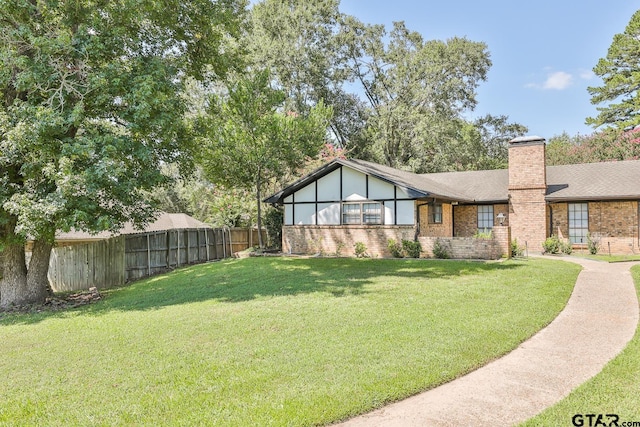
(589,181)
(165,221)
(594,181)
(476,186)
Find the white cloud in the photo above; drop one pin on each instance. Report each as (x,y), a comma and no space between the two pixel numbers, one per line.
(558,81)
(587,74)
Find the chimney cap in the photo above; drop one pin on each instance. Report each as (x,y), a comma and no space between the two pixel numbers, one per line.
(527,140)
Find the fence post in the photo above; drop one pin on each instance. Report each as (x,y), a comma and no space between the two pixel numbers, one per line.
(206,241)
(168,257)
(148,255)
(177,248)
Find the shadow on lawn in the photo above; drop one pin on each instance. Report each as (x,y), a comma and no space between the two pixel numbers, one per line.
(233,281)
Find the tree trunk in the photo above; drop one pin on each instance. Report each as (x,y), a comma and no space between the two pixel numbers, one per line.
(13,285)
(260,242)
(37,281)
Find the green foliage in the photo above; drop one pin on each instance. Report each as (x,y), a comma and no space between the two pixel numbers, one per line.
(566,247)
(441,250)
(407,248)
(412,249)
(486,234)
(551,245)
(395,248)
(403,111)
(360,250)
(273,221)
(231,207)
(92,105)
(517,250)
(620,72)
(300,43)
(339,248)
(593,244)
(607,145)
(249,142)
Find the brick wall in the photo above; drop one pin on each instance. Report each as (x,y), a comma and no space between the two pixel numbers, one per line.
(466,219)
(528,217)
(527,189)
(445,229)
(328,239)
(464,247)
(614,223)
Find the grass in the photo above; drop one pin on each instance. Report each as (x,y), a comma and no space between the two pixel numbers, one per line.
(271,341)
(615,390)
(609,258)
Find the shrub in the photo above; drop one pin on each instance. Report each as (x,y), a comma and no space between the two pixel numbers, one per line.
(516,249)
(484,234)
(593,244)
(411,248)
(566,247)
(339,248)
(440,250)
(551,245)
(395,248)
(273,220)
(361,250)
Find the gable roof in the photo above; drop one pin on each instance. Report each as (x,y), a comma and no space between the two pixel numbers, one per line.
(164,221)
(415,185)
(618,180)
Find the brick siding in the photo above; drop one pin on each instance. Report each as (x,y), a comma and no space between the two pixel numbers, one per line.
(341,239)
(614,223)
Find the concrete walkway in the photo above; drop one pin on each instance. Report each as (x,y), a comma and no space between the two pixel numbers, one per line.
(597,323)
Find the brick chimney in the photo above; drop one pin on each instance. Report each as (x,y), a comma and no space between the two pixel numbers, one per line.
(527,189)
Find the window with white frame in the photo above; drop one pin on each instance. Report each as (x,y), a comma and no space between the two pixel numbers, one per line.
(435,213)
(362,213)
(485,217)
(578,222)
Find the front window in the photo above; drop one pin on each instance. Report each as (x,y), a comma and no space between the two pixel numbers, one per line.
(362,213)
(578,222)
(435,213)
(485,217)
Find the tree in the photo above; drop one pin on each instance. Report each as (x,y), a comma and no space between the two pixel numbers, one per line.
(610,144)
(299,43)
(417,91)
(250,142)
(90,107)
(620,72)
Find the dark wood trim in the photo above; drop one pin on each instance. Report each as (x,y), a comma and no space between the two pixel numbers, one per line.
(366,186)
(395,205)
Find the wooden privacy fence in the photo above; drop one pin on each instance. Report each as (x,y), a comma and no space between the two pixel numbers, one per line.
(121,259)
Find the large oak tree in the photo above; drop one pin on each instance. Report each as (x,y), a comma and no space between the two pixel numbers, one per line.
(90,107)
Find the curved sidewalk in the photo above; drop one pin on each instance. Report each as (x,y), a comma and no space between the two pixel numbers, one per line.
(597,323)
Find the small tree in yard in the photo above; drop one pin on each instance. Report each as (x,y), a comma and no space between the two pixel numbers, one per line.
(249,142)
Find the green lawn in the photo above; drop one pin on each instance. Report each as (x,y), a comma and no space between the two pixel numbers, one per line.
(616,390)
(609,258)
(271,341)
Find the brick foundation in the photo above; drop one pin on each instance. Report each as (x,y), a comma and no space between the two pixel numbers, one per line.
(464,247)
(341,240)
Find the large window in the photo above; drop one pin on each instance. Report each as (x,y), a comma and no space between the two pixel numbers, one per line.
(362,213)
(485,217)
(435,213)
(578,222)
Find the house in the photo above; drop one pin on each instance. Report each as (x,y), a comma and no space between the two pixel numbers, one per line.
(349,201)
(164,222)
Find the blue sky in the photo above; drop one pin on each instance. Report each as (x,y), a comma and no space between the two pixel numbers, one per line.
(543,52)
